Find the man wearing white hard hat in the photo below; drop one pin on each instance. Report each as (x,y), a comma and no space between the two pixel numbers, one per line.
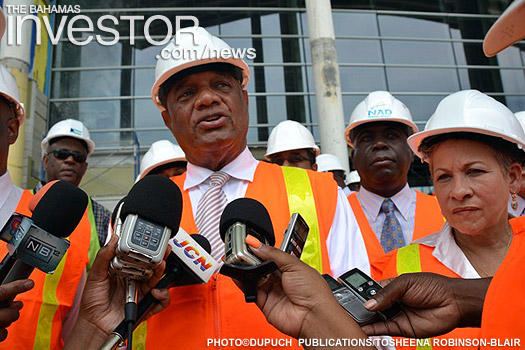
(12,198)
(41,325)
(517,201)
(163,158)
(390,214)
(329,163)
(205,105)
(292,144)
(65,150)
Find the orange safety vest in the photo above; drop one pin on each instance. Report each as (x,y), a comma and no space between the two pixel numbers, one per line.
(391,265)
(45,306)
(504,305)
(428,219)
(200,314)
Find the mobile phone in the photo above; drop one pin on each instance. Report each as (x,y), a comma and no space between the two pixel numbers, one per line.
(350,302)
(364,287)
(295,236)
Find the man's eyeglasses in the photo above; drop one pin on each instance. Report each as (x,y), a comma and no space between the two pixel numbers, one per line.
(292,159)
(63,154)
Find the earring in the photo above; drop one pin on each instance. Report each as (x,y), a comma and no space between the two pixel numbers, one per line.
(514,202)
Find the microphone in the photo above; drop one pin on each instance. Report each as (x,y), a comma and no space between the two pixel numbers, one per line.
(39,241)
(242,217)
(149,216)
(187,249)
(115,216)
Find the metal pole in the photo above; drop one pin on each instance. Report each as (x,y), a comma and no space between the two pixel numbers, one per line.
(326,79)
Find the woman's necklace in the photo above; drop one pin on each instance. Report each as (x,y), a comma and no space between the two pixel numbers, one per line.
(483,267)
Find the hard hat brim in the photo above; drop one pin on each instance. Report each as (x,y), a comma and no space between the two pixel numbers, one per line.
(90,143)
(316,149)
(415,140)
(507,29)
(156,165)
(20,110)
(354,125)
(170,72)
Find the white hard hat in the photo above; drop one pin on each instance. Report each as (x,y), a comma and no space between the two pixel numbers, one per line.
(471,111)
(521,118)
(379,106)
(327,162)
(9,90)
(289,135)
(353,177)
(160,153)
(2,23)
(507,30)
(189,54)
(69,128)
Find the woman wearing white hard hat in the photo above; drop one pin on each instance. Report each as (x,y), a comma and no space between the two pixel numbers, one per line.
(163,158)
(474,147)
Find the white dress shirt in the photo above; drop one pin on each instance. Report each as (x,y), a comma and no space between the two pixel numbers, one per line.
(9,197)
(404,210)
(448,252)
(346,248)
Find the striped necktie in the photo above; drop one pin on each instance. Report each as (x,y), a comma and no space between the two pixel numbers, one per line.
(392,234)
(209,211)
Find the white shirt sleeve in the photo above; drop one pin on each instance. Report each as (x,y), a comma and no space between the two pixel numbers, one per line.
(345,244)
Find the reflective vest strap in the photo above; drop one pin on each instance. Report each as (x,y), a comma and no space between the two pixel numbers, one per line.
(428,217)
(139,336)
(409,261)
(374,249)
(301,200)
(49,308)
(94,244)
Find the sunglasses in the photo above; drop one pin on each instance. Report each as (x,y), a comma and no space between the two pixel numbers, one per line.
(64,154)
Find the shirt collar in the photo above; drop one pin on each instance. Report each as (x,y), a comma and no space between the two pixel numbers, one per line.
(401,199)
(241,168)
(448,252)
(5,187)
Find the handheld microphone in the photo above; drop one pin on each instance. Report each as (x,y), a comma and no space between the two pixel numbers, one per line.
(188,251)
(149,216)
(242,217)
(39,241)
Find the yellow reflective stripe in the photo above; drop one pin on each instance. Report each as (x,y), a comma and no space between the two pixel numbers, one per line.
(409,261)
(139,336)
(301,200)
(94,245)
(49,308)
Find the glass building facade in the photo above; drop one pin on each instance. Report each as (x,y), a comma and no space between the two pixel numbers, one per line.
(420,51)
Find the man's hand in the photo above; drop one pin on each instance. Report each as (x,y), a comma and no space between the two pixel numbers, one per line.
(297,301)
(102,306)
(10,314)
(432,305)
